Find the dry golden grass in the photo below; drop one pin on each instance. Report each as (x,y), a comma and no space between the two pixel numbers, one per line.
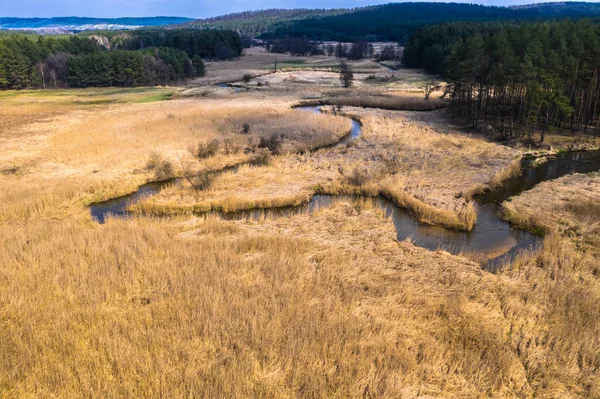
(563,280)
(569,206)
(552,303)
(309,306)
(427,172)
(304,307)
(397,103)
(322,305)
(53,168)
(24,107)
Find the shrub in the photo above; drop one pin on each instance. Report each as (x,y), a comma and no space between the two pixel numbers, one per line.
(358,177)
(272,143)
(247,78)
(202,180)
(199,65)
(262,157)
(245,128)
(163,168)
(229,147)
(253,142)
(153,160)
(207,150)
(346,75)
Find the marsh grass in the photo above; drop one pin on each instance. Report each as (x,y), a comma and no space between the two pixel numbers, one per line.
(567,206)
(97,154)
(343,299)
(513,169)
(321,305)
(394,103)
(464,219)
(146,287)
(418,168)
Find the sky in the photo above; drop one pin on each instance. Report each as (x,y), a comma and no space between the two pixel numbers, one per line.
(180,8)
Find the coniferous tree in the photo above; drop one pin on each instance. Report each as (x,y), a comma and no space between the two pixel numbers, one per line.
(523,79)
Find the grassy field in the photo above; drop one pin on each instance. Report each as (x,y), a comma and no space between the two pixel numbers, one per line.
(20,108)
(82,153)
(257,62)
(569,206)
(564,278)
(321,305)
(428,172)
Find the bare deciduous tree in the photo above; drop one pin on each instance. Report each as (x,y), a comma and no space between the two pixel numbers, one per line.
(346,74)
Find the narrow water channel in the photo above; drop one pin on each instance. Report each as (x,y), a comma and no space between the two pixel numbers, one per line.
(491,236)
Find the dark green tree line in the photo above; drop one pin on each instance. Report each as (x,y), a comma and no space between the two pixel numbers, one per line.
(20,56)
(389,22)
(519,78)
(130,68)
(204,43)
(33,61)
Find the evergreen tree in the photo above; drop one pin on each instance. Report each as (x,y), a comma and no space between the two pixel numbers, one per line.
(522,78)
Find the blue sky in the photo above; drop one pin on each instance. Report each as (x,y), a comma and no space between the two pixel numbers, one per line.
(183,8)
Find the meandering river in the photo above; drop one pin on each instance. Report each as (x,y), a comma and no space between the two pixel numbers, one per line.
(491,236)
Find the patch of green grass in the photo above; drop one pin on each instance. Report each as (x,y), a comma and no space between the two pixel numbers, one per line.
(92,96)
(293,62)
(164,96)
(97,101)
(8,94)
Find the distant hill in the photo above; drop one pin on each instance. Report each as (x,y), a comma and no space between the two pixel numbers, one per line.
(560,9)
(82,24)
(255,23)
(394,21)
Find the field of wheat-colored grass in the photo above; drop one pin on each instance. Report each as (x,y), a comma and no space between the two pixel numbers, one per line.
(569,206)
(432,174)
(52,167)
(321,305)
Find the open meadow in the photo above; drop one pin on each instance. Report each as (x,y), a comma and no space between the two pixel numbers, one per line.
(176,301)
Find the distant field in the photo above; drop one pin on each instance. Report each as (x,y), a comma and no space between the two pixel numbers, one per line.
(23,107)
(257,61)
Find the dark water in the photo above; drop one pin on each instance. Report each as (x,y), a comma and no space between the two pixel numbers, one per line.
(118,206)
(491,235)
(389,68)
(227,86)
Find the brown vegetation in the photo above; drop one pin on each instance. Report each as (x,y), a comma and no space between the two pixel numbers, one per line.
(563,280)
(348,311)
(569,206)
(92,154)
(321,305)
(395,103)
(427,172)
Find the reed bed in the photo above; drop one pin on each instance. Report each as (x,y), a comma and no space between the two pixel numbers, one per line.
(92,154)
(321,305)
(422,170)
(394,103)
